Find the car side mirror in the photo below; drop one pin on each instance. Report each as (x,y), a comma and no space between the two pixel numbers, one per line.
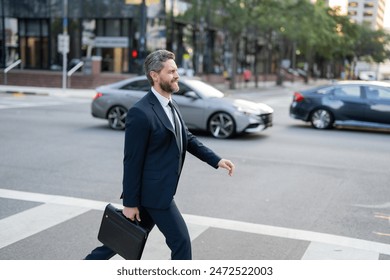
(191,94)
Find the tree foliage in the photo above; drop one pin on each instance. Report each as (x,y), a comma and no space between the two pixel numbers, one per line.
(315,29)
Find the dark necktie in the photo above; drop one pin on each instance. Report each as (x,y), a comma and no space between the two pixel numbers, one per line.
(177,126)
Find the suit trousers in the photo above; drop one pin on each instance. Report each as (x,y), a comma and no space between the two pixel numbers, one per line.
(172,225)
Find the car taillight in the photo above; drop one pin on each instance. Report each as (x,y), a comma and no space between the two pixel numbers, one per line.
(98,94)
(298,97)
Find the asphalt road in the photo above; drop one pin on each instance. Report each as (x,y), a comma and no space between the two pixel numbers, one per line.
(298,193)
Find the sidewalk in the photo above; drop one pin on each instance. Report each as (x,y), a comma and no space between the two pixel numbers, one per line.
(224,87)
(46,91)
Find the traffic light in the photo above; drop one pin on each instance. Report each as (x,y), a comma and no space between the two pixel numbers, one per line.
(136,61)
(134,54)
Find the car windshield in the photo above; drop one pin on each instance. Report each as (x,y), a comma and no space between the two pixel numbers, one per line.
(204,89)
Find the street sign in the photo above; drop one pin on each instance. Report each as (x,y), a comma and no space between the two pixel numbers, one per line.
(63,43)
(111,42)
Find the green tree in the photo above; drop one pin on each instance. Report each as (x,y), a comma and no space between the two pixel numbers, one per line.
(321,34)
(234,18)
(372,43)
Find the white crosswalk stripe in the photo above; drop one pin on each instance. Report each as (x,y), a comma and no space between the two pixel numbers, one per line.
(57,209)
(34,220)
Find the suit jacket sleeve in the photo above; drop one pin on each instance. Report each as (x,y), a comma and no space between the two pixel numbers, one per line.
(136,139)
(196,148)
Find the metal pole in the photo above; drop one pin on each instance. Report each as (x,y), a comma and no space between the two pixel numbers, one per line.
(143,28)
(3,47)
(64,51)
(172,31)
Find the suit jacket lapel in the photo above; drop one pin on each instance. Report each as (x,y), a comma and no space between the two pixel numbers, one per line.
(158,109)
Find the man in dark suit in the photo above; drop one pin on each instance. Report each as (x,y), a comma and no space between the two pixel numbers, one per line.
(156,141)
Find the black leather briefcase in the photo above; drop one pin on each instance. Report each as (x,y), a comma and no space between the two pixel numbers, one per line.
(121,235)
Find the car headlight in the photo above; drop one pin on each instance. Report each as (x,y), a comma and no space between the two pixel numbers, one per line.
(248,111)
(247,107)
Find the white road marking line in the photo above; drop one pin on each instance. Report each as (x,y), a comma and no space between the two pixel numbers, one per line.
(377,206)
(55,199)
(206,222)
(34,220)
(321,251)
(291,233)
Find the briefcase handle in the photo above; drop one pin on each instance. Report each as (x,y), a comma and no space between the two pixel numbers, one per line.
(121,212)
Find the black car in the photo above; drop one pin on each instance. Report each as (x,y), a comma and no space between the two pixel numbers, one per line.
(346,103)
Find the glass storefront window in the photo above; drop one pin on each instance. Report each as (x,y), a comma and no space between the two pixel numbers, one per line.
(34,43)
(112,27)
(109,39)
(33,28)
(117,24)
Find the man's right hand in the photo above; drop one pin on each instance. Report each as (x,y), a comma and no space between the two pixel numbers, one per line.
(131,213)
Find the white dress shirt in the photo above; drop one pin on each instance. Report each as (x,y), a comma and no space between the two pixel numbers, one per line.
(164,103)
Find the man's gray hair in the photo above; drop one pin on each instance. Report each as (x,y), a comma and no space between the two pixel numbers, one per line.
(154,62)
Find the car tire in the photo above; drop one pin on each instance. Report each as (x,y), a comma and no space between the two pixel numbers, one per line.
(222,125)
(117,117)
(321,119)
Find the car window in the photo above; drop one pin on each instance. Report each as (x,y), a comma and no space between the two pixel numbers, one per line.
(373,92)
(141,85)
(183,89)
(347,91)
(325,90)
(204,89)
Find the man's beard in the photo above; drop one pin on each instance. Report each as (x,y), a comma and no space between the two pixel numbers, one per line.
(167,86)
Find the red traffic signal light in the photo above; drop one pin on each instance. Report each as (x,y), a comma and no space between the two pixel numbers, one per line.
(134,53)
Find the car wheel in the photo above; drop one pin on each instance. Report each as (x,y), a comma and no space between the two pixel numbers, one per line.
(117,117)
(321,119)
(221,125)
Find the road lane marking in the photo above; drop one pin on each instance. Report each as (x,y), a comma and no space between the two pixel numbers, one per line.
(382,234)
(382,216)
(374,206)
(54,199)
(206,222)
(321,251)
(26,223)
(291,233)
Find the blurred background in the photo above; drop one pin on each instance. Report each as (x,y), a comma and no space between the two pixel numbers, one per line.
(104,41)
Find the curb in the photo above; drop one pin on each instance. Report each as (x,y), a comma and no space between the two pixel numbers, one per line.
(25,93)
(42,91)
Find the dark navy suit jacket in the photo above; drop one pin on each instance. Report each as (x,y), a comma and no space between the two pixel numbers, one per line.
(152,164)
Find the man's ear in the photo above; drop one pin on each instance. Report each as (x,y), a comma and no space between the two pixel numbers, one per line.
(154,76)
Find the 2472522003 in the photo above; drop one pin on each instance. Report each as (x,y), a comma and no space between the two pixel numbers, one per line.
(240,270)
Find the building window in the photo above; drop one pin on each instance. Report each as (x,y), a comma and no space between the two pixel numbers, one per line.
(34,43)
(353,4)
(369,5)
(368,14)
(114,42)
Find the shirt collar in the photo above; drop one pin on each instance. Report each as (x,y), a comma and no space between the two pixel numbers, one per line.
(163,100)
